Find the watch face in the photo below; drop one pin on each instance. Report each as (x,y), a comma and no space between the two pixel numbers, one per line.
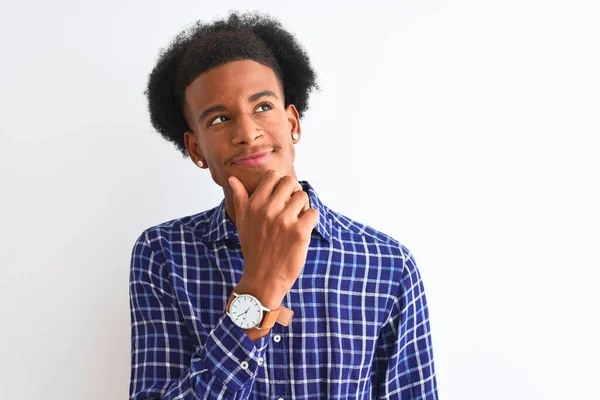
(245,311)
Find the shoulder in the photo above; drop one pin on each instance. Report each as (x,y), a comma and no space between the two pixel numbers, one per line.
(176,230)
(358,233)
(351,228)
(386,259)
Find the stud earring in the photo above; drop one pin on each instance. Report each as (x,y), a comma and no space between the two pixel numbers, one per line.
(200,163)
(295,136)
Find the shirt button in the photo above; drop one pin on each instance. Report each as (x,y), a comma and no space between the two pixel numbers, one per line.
(260,361)
(244,365)
(277,339)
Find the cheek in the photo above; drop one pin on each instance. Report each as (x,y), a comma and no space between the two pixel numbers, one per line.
(212,152)
(214,159)
(216,179)
(289,151)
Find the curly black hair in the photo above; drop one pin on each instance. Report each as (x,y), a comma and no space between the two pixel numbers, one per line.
(204,46)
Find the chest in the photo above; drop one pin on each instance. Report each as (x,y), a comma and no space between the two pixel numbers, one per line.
(343,292)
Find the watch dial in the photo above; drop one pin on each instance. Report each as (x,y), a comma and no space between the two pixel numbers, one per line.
(245,312)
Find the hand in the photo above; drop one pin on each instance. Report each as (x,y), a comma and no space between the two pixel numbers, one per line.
(274,226)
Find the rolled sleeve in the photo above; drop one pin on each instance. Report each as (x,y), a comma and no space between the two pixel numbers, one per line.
(165,361)
(231,355)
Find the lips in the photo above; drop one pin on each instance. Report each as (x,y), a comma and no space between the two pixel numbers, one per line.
(253,159)
(252,156)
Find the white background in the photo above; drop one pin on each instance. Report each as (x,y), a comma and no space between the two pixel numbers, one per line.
(466,129)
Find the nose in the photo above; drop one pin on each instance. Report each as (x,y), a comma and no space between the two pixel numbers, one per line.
(246,130)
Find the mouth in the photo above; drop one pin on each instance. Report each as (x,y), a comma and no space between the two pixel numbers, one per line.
(254,160)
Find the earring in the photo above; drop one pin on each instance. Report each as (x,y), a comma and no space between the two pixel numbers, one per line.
(295,136)
(200,163)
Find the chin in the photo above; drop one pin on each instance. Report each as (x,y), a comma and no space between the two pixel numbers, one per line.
(251,176)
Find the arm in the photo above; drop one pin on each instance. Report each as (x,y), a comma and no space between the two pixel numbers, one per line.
(404,358)
(164,362)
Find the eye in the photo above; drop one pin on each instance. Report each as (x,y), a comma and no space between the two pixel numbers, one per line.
(264,107)
(217,120)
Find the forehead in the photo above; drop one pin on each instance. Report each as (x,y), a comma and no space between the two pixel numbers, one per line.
(231,82)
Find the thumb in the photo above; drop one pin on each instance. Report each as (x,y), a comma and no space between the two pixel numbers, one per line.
(240,195)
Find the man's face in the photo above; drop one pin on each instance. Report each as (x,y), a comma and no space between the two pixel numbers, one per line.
(236,110)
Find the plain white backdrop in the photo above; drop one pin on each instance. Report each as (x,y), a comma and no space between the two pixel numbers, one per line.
(467,130)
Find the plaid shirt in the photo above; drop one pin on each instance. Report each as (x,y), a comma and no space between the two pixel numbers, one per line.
(360,328)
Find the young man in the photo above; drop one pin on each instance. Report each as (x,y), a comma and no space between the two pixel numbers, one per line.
(271,294)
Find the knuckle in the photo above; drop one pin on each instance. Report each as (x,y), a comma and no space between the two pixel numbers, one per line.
(270,174)
(253,207)
(270,215)
(288,179)
(297,231)
(301,196)
(281,220)
(289,224)
(298,197)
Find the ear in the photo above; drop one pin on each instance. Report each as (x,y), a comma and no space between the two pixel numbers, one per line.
(293,119)
(193,147)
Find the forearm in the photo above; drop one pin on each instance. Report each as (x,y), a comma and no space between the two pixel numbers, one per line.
(223,368)
(168,362)
(268,295)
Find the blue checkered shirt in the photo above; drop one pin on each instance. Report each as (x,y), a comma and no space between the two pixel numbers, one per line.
(360,328)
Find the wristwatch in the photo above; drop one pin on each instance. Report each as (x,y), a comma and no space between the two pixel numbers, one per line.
(247,312)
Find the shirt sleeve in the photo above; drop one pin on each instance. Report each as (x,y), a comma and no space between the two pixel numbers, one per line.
(165,362)
(404,355)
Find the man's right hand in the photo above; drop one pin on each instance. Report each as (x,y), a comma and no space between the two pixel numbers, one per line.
(274,235)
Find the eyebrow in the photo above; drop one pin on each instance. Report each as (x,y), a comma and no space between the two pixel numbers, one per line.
(251,99)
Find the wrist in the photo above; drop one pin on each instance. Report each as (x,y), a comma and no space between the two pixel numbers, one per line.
(267,296)
(255,334)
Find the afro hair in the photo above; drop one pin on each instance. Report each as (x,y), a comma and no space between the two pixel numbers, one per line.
(205,46)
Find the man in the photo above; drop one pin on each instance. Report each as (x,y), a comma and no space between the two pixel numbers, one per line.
(271,294)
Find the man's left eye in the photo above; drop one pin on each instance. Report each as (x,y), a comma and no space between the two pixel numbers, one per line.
(263,107)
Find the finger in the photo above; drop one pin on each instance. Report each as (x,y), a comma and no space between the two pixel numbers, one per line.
(295,206)
(240,194)
(297,189)
(266,186)
(309,219)
(283,192)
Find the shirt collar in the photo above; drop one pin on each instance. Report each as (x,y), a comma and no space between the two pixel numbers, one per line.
(220,227)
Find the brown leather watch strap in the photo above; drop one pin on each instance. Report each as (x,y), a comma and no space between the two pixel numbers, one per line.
(282,315)
(285,316)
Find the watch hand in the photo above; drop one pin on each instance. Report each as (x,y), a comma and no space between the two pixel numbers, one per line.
(242,315)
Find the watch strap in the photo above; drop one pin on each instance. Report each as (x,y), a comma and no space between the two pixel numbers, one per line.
(282,316)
